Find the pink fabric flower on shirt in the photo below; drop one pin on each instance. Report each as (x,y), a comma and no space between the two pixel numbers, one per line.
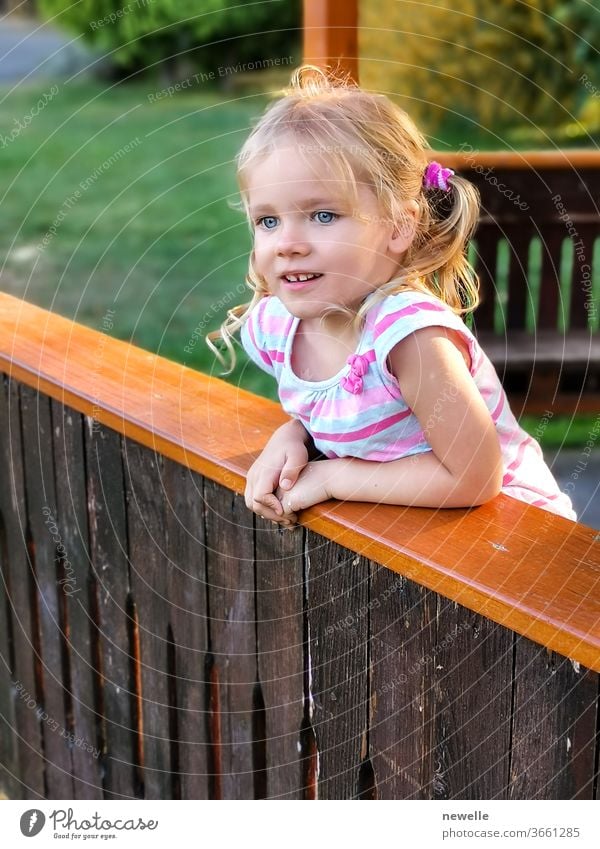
(352,382)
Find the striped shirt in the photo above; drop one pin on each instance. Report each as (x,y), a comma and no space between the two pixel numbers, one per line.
(360,412)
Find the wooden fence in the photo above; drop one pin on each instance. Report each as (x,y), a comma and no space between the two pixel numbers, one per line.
(159,641)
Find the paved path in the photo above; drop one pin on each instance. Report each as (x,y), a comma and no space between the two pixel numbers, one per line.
(28,52)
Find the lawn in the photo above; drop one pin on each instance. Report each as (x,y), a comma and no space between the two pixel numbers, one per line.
(116,200)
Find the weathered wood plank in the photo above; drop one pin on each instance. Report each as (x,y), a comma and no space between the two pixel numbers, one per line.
(79,591)
(471,672)
(281,649)
(148,559)
(19,587)
(401,734)
(230,571)
(186,590)
(338,595)
(554,726)
(9,755)
(48,548)
(108,553)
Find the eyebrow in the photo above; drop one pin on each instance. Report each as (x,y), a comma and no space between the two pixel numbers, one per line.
(308,202)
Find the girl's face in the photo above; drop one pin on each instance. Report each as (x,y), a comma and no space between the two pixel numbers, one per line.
(301,226)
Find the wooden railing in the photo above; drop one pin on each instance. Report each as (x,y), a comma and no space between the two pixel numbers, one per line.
(157,640)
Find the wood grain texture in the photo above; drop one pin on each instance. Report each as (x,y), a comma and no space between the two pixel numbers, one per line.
(148,559)
(337,609)
(22,592)
(281,652)
(187,594)
(47,549)
(554,724)
(519,557)
(108,555)
(231,605)
(79,591)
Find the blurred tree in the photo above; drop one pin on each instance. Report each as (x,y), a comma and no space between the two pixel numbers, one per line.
(495,63)
(180,36)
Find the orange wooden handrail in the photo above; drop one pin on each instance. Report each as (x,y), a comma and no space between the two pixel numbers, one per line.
(525,568)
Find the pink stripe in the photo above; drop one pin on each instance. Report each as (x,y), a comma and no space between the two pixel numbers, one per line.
(515,463)
(262,354)
(410,310)
(340,408)
(276,356)
(363,432)
(499,408)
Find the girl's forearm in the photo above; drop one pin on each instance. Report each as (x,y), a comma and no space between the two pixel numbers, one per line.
(295,430)
(420,480)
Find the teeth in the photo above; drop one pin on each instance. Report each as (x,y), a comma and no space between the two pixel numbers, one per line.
(300,278)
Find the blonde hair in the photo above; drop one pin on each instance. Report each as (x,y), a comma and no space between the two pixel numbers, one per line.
(367,138)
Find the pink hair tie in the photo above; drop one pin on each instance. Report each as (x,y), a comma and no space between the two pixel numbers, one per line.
(436,177)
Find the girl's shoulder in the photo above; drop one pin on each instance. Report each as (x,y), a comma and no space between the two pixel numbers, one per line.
(409,306)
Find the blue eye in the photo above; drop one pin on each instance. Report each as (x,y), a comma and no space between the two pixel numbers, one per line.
(324,212)
(264,219)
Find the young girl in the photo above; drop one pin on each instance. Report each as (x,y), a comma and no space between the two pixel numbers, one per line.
(360,276)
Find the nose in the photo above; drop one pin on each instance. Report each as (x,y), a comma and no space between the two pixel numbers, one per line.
(291,241)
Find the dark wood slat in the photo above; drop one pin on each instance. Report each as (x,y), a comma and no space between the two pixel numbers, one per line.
(519,294)
(582,302)
(108,552)
(280,638)
(69,459)
(148,558)
(552,238)
(19,583)
(554,725)
(186,589)
(230,571)
(472,668)
(521,349)
(488,238)
(338,596)
(401,735)
(9,756)
(47,538)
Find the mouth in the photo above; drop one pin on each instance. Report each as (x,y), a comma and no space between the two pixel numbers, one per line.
(299,281)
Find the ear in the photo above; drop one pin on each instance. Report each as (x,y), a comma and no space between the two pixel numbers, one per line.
(404,231)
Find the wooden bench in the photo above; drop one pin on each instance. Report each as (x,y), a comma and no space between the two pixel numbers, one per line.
(159,641)
(551,360)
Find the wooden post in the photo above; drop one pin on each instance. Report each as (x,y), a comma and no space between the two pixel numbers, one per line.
(331,34)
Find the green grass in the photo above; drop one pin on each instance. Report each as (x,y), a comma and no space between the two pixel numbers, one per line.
(153,237)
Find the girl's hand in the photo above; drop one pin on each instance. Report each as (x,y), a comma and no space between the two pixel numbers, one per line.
(277,468)
(312,487)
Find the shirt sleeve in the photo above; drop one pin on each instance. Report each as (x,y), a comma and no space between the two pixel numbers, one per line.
(254,338)
(405,313)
